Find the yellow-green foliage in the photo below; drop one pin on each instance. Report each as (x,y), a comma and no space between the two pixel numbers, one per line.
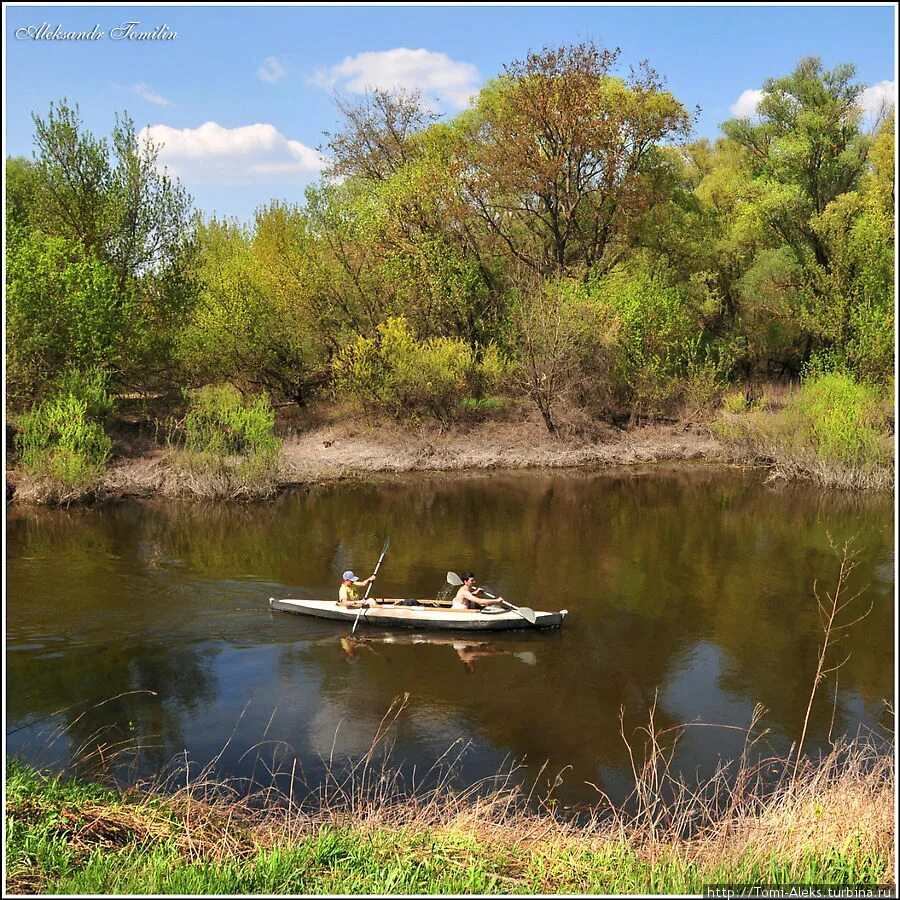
(836,430)
(222,423)
(844,420)
(734,402)
(658,352)
(61,438)
(404,376)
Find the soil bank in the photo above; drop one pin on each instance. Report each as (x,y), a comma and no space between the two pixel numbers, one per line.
(340,450)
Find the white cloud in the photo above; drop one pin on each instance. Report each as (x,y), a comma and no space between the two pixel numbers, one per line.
(879,97)
(271,70)
(439,78)
(249,154)
(148,94)
(745,106)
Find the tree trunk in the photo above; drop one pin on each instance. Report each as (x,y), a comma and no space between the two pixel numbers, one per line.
(544,407)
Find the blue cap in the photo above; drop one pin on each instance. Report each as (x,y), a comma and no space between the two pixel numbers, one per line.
(348,576)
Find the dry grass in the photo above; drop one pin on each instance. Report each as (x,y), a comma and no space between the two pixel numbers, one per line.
(834,813)
(752,806)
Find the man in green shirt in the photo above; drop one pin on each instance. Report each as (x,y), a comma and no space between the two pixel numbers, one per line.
(348,594)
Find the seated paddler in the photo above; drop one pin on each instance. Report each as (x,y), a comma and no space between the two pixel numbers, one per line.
(467,595)
(348,595)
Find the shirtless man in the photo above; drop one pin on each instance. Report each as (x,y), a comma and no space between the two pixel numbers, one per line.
(466,595)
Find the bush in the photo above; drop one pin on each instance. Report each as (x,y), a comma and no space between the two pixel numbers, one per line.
(404,376)
(230,448)
(60,436)
(64,309)
(844,420)
(220,422)
(659,355)
(836,431)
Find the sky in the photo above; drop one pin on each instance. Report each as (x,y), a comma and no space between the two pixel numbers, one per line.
(241,98)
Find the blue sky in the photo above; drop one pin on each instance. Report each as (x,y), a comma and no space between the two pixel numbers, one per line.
(242,96)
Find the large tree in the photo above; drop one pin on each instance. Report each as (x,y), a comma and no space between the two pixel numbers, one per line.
(109,198)
(804,148)
(112,198)
(562,157)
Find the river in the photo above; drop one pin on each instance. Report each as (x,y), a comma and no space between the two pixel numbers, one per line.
(143,629)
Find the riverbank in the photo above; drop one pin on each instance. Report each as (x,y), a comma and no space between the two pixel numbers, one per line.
(325,442)
(831,825)
(334,450)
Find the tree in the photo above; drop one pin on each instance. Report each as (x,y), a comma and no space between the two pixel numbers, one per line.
(20,185)
(255,322)
(378,132)
(64,311)
(403,182)
(113,202)
(562,158)
(805,150)
(547,324)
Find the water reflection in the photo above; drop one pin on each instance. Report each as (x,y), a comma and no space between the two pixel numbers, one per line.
(468,649)
(692,589)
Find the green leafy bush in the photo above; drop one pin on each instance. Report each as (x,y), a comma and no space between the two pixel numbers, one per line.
(836,430)
(843,419)
(60,437)
(229,448)
(404,376)
(659,352)
(64,309)
(219,422)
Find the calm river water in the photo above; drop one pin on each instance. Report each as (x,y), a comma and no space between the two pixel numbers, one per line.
(144,627)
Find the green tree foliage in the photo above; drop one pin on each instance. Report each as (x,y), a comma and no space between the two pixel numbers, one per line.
(661,340)
(562,338)
(806,148)
(254,322)
(559,239)
(20,186)
(801,236)
(64,309)
(562,158)
(109,196)
(412,229)
(108,200)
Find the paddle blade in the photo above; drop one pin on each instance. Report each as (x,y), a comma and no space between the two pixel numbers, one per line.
(525,612)
(454,579)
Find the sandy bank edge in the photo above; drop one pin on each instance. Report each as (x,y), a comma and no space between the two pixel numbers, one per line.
(347,450)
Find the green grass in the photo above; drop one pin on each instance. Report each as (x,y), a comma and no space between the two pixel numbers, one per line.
(834,431)
(70,837)
(226,448)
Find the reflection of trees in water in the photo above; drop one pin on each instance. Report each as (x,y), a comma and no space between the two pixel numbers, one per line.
(122,696)
(649,567)
(535,712)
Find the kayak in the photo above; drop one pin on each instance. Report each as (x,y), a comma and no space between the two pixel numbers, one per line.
(432,617)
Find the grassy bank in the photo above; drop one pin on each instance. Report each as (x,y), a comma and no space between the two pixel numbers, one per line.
(830,430)
(833,432)
(832,824)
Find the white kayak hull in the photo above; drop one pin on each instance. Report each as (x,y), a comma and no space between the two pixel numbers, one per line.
(419,616)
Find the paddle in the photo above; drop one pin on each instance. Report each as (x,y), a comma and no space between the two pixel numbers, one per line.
(526,613)
(369,586)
